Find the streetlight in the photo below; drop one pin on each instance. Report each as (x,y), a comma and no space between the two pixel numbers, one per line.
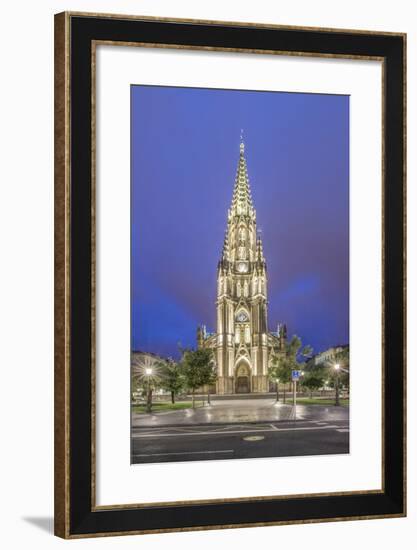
(148,374)
(337,368)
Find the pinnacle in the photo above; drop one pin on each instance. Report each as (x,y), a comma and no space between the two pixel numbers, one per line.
(259,250)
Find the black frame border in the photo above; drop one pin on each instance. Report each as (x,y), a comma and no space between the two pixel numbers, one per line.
(73,467)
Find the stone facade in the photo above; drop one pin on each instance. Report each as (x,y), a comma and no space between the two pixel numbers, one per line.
(242,344)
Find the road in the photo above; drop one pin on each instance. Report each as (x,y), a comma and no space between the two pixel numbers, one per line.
(318,431)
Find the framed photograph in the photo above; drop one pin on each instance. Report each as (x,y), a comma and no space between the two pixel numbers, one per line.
(229,275)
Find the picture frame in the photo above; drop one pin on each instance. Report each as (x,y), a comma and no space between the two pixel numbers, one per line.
(76,512)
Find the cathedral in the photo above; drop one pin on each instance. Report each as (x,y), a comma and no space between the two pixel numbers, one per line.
(242,345)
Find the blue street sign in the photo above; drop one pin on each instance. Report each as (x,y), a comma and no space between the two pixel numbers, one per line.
(295,375)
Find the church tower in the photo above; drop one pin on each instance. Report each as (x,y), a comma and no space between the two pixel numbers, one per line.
(242,344)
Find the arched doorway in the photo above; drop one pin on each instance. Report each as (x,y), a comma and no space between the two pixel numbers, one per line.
(242,378)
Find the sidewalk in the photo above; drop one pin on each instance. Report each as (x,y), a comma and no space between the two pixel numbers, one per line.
(240,411)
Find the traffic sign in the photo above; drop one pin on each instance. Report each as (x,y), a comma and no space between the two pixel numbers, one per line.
(295,375)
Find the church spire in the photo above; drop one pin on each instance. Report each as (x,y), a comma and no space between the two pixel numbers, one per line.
(242,199)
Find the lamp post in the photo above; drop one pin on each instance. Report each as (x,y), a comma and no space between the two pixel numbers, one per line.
(148,374)
(337,368)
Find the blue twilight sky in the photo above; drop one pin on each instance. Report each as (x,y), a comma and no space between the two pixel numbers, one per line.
(185,150)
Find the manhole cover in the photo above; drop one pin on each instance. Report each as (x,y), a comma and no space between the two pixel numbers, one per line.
(253,438)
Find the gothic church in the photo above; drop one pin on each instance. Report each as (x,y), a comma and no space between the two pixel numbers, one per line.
(242,345)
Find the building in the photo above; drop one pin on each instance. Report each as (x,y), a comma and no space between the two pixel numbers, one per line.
(242,344)
(326,357)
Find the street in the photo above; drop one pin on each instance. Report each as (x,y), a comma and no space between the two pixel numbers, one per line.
(240,429)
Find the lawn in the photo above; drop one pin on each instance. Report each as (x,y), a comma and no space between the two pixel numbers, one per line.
(318,401)
(166,406)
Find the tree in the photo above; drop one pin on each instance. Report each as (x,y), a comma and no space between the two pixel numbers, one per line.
(280,372)
(209,376)
(173,379)
(313,379)
(339,372)
(197,368)
(146,375)
(296,355)
(289,360)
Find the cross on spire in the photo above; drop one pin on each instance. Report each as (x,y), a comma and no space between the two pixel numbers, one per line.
(242,144)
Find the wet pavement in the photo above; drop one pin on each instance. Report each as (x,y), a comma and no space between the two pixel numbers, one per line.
(241,411)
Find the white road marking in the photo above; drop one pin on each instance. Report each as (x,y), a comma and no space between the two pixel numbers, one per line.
(292,429)
(186,453)
(253,437)
(224,427)
(343,430)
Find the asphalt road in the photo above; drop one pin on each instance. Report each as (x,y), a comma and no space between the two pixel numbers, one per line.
(239,440)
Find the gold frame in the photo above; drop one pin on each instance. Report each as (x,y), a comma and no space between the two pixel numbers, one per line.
(62,271)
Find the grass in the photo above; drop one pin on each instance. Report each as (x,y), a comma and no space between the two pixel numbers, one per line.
(318,401)
(166,406)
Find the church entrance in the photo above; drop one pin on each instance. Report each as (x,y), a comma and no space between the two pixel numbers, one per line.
(242,384)
(242,381)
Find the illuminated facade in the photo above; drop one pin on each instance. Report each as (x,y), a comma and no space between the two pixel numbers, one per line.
(242,344)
